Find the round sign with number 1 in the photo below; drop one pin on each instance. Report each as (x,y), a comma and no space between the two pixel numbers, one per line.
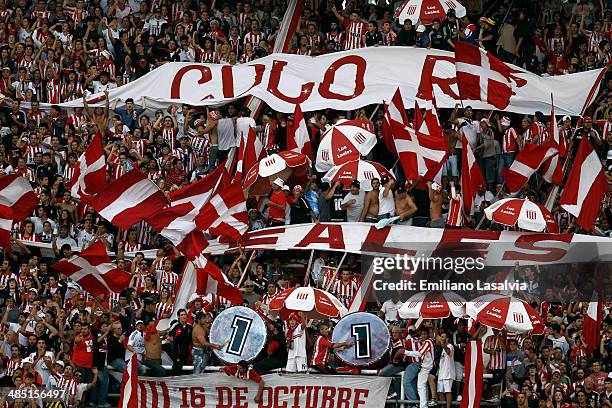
(241,333)
(369,335)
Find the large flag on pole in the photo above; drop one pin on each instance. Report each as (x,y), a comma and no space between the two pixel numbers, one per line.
(129,385)
(90,172)
(472,390)
(592,323)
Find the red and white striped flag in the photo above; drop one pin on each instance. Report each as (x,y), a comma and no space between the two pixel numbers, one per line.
(551,170)
(90,172)
(298,138)
(395,117)
(225,214)
(585,187)
(177,222)
(17,201)
(591,331)
(129,199)
(527,162)
(93,270)
(210,279)
(251,151)
(472,390)
(471,176)
(129,385)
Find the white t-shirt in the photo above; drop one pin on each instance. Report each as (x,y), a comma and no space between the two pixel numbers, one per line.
(353,211)
(298,348)
(226,133)
(136,340)
(470,129)
(446,371)
(390,310)
(478,199)
(42,368)
(386,204)
(242,128)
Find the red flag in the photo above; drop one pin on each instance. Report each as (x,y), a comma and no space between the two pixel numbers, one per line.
(128,397)
(225,214)
(210,279)
(17,195)
(177,222)
(592,323)
(421,154)
(527,162)
(585,187)
(298,138)
(251,151)
(481,76)
(94,271)
(129,199)
(472,390)
(90,172)
(471,176)
(395,118)
(551,170)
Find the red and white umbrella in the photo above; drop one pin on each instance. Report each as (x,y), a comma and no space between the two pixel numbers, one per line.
(361,170)
(433,305)
(426,11)
(282,164)
(501,311)
(523,213)
(315,303)
(345,141)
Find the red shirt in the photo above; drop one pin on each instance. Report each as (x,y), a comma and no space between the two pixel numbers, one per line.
(278,197)
(250,374)
(321,351)
(82,353)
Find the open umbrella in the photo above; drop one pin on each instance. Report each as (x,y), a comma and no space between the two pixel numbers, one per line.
(278,165)
(361,170)
(433,305)
(501,311)
(523,213)
(315,303)
(345,141)
(426,11)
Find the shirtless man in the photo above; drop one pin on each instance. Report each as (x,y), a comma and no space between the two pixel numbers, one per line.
(212,120)
(370,205)
(451,169)
(153,349)
(201,346)
(436,199)
(99,116)
(404,206)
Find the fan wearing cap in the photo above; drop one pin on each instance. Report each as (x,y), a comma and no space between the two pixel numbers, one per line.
(277,203)
(511,144)
(487,38)
(404,206)
(296,343)
(422,39)
(243,371)
(586,130)
(436,199)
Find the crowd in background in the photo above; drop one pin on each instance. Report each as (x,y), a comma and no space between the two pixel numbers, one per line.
(56,335)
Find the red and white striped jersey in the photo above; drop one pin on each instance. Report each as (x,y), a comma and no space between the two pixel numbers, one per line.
(5,277)
(509,142)
(167,280)
(27,173)
(606,129)
(108,66)
(254,38)
(27,64)
(527,136)
(498,358)
(235,43)
(555,40)
(119,170)
(539,132)
(337,38)
(36,117)
(593,40)
(565,136)
(31,152)
(186,156)
(155,26)
(355,30)
(169,136)
(410,344)
(69,385)
(140,146)
(266,298)
(314,39)
(69,172)
(113,299)
(12,365)
(345,291)
(155,175)
(455,210)
(426,350)
(206,57)
(77,120)
(132,246)
(244,58)
(301,51)
(162,309)
(53,92)
(389,38)
(320,354)
(200,145)
(75,15)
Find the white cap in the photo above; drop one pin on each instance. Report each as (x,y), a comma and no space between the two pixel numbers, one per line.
(279,182)
(435,186)
(566,117)
(505,121)
(60,362)
(420,28)
(286,188)
(609,155)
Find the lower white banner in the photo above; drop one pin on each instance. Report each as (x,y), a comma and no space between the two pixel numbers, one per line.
(288,390)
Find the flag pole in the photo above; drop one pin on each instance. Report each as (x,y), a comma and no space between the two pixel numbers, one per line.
(335,275)
(374,112)
(246,268)
(307,275)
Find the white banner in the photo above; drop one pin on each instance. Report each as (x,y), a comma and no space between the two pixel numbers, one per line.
(498,248)
(221,391)
(344,80)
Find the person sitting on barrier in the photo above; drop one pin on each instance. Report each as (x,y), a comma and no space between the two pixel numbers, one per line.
(320,355)
(243,371)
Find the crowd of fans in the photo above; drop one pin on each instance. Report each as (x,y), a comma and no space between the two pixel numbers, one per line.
(55,335)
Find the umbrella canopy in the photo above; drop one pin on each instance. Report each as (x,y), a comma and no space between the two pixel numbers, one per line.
(433,305)
(282,164)
(361,170)
(345,141)
(426,11)
(501,311)
(523,213)
(315,303)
